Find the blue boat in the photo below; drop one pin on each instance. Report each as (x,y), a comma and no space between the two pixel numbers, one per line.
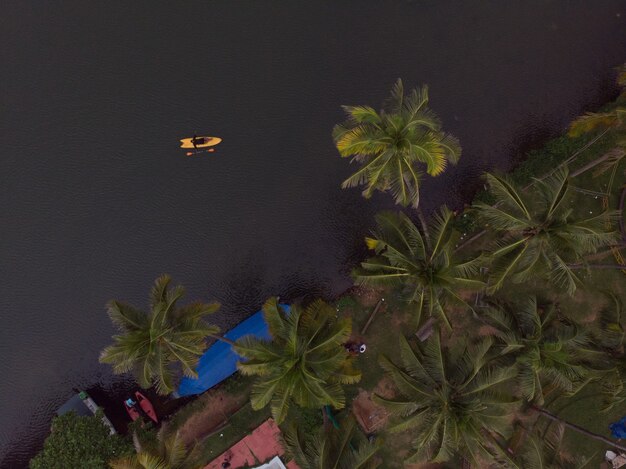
(220,361)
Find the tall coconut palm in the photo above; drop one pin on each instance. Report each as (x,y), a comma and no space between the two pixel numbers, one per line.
(304,362)
(425,266)
(541,235)
(393,145)
(548,350)
(152,343)
(169,452)
(332,448)
(450,402)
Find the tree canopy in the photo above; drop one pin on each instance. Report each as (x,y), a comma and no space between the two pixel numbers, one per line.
(541,235)
(305,362)
(546,450)
(450,401)
(80,442)
(548,349)
(392,145)
(151,344)
(424,266)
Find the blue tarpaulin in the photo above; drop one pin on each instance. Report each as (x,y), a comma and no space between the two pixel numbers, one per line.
(219,361)
(618,429)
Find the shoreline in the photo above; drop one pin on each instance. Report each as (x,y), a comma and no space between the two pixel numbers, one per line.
(553,148)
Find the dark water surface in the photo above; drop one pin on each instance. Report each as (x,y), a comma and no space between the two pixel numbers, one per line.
(97,200)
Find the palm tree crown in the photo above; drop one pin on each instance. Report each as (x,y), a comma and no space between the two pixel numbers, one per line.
(151,343)
(424,265)
(449,401)
(392,144)
(331,448)
(547,349)
(305,362)
(541,233)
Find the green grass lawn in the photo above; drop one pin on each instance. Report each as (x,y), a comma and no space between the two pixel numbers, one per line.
(239,425)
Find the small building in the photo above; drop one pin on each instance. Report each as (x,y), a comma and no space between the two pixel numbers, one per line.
(274,463)
(83,404)
(263,445)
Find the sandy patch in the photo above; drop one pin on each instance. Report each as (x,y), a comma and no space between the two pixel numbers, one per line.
(214,413)
(368,297)
(370,416)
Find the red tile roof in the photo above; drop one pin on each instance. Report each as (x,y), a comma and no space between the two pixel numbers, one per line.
(260,446)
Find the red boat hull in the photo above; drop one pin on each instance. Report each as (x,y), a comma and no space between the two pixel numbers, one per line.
(134,415)
(146,406)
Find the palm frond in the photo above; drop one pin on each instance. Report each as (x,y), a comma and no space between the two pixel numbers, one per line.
(125,317)
(505,190)
(590,122)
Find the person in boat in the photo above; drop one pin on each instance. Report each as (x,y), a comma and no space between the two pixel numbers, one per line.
(197,141)
(130,403)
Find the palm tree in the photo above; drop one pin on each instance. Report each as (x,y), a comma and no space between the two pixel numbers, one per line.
(549,415)
(332,448)
(450,401)
(612,338)
(540,234)
(305,362)
(547,349)
(150,344)
(392,145)
(546,451)
(169,452)
(426,267)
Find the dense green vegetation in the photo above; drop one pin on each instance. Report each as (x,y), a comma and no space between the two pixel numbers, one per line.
(540,236)
(80,442)
(549,349)
(524,366)
(450,401)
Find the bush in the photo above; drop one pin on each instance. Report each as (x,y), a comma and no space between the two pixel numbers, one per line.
(80,442)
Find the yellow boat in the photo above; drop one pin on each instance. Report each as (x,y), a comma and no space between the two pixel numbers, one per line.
(201,142)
